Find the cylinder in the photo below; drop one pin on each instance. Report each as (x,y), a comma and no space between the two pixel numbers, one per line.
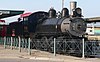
(65,12)
(73,5)
(52,13)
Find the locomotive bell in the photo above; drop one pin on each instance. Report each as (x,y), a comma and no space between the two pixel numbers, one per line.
(65,12)
(52,13)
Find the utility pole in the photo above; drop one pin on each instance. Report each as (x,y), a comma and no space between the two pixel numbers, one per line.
(62,4)
(51,3)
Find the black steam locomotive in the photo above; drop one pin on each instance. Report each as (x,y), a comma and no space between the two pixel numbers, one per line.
(50,24)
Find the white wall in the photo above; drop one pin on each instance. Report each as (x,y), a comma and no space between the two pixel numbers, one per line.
(90,31)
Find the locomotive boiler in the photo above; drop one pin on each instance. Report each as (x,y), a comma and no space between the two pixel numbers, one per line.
(50,24)
(47,24)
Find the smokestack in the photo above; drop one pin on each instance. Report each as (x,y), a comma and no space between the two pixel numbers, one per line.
(73,5)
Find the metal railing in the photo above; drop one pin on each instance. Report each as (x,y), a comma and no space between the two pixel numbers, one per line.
(17,43)
(60,45)
(92,48)
(65,46)
(1,40)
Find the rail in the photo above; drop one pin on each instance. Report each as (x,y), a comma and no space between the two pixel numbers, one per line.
(62,46)
(16,43)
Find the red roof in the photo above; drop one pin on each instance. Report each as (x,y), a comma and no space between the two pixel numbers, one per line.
(25,14)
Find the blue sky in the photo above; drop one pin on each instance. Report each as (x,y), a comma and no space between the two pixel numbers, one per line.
(90,7)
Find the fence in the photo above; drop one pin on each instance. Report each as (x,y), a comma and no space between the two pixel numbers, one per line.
(1,40)
(77,47)
(16,43)
(64,46)
(92,48)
